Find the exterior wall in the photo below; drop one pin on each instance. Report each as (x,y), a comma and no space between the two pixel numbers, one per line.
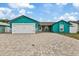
(74,28)
(56,27)
(2,29)
(7,29)
(37,27)
(78,27)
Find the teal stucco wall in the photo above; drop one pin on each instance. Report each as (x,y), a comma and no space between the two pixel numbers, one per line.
(56,26)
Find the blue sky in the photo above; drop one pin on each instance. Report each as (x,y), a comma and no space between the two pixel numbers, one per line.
(41,11)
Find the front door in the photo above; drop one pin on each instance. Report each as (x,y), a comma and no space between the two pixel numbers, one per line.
(61,28)
(45,28)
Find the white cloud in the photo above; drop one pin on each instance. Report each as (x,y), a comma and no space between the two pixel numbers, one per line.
(22,12)
(74,13)
(61,17)
(7,13)
(29,12)
(21,5)
(67,17)
(76,4)
(4,12)
(70,16)
(31,6)
(61,4)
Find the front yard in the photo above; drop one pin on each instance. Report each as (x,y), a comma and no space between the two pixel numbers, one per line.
(73,35)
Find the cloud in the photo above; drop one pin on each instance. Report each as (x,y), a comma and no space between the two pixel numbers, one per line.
(7,13)
(61,17)
(4,12)
(72,18)
(21,5)
(74,13)
(22,12)
(29,12)
(68,17)
(75,4)
(61,4)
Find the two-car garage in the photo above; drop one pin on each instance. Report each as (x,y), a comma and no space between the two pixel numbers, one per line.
(24,24)
(23,28)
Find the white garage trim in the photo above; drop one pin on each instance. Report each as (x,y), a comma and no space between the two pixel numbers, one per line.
(23,28)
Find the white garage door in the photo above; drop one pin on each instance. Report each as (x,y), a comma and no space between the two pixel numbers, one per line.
(23,28)
(74,28)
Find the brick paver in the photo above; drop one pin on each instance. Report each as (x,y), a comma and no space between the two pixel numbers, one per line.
(40,44)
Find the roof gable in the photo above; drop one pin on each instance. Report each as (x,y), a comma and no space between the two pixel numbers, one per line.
(23,19)
(62,21)
(46,23)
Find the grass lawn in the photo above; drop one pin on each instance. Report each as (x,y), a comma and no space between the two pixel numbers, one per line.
(73,35)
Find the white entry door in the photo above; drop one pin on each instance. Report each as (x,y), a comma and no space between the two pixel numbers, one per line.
(61,28)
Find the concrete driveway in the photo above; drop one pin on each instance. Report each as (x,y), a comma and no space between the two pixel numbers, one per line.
(40,44)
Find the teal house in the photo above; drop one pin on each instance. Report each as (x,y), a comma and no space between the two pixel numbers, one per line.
(61,26)
(24,24)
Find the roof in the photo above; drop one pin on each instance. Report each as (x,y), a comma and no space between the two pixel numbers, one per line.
(74,22)
(46,23)
(62,21)
(4,20)
(51,23)
(23,16)
(4,24)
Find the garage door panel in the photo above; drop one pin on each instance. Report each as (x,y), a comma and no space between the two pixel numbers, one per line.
(23,28)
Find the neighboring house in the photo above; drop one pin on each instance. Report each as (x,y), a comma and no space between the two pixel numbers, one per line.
(45,26)
(74,28)
(4,26)
(23,24)
(61,26)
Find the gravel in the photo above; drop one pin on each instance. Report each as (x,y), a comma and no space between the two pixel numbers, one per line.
(39,44)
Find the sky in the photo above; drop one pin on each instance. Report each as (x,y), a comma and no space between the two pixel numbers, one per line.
(43,12)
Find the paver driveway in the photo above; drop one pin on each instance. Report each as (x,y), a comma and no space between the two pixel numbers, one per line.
(48,44)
